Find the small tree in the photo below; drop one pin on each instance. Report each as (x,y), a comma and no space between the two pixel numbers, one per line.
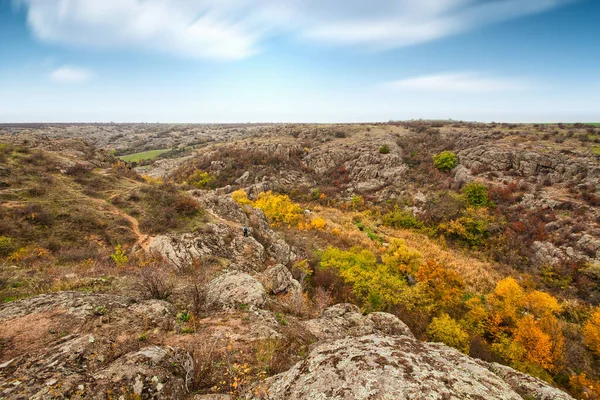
(119,256)
(476,194)
(241,197)
(201,179)
(446,330)
(6,246)
(445,161)
(591,332)
(357,201)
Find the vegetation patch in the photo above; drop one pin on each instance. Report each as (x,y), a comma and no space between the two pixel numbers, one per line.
(144,155)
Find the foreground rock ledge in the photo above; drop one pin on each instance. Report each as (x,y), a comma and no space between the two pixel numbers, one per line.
(397,368)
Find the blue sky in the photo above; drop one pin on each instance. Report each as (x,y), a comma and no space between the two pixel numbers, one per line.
(299,60)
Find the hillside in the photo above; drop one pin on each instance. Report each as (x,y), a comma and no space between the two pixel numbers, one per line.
(423,258)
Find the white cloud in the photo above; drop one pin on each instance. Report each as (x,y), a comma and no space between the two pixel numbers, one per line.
(464,82)
(235,29)
(68,74)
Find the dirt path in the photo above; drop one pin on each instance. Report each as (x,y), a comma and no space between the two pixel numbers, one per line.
(143,240)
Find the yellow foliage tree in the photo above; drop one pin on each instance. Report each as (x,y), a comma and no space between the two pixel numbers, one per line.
(584,387)
(402,258)
(540,304)
(446,330)
(475,319)
(591,332)
(279,208)
(441,286)
(554,329)
(537,343)
(318,223)
(472,227)
(241,197)
(373,284)
(506,299)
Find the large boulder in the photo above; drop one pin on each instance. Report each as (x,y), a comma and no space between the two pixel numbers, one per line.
(180,250)
(233,289)
(343,320)
(248,254)
(395,368)
(278,279)
(147,374)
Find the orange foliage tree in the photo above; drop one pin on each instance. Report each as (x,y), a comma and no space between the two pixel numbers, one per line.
(591,332)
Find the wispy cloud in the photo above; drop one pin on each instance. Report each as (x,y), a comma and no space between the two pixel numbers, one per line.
(69,74)
(465,82)
(234,29)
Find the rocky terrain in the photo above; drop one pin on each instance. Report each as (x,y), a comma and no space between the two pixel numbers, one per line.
(370,271)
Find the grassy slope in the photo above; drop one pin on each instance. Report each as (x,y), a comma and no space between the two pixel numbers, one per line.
(145,155)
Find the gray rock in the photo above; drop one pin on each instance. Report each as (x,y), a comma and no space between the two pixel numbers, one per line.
(248,254)
(396,368)
(545,253)
(233,289)
(343,320)
(278,279)
(243,179)
(146,373)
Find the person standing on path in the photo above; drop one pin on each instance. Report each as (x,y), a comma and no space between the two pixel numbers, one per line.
(245,231)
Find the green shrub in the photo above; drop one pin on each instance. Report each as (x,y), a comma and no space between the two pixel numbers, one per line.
(399,218)
(376,286)
(446,330)
(445,161)
(357,201)
(472,227)
(476,194)
(385,149)
(201,180)
(119,256)
(6,246)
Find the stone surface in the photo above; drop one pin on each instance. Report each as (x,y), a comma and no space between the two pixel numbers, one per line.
(234,289)
(343,320)
(395,368)
(83,346)
(278,279)
(147,373)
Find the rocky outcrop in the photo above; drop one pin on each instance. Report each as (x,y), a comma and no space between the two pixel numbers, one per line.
(367,169)
(343,320)
(234,289)
(181,249)
(378,367)
(540,167)
(84,346)
(278,279)
(147,373)
(224,238)
(525,385)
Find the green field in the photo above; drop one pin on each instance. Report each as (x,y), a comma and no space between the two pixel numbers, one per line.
(145,155)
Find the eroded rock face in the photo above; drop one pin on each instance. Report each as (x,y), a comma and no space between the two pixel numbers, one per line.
(181,249)
(233,289)
(367,169)
(56,345)
(146,373)
(224,238)
(525,385)
(343,320)
(398,368)
(554,168)
(278,279)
